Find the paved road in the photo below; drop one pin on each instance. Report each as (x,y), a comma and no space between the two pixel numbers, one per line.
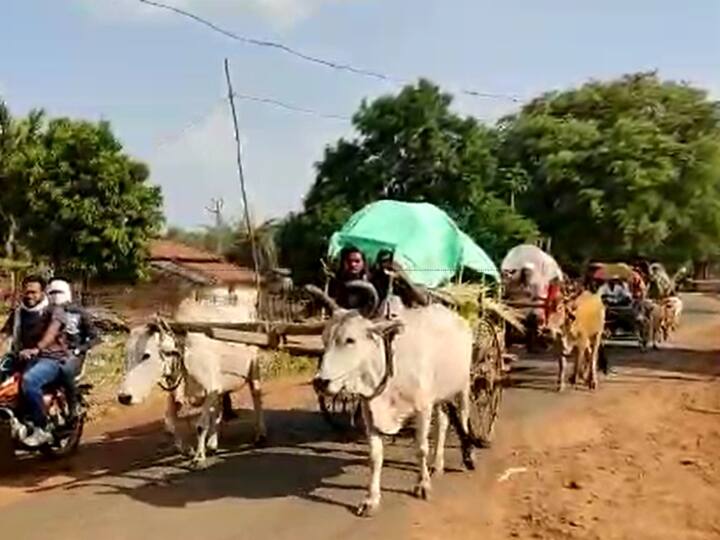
(303,487)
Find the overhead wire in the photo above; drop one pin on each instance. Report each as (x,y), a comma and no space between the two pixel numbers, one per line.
(311,58)
(290,107)
(168,139)
(268,44)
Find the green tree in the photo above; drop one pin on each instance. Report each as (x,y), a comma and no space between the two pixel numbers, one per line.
(20,151)
(240,249)
(410,147)
(620,168)
(215,239)
(87,207)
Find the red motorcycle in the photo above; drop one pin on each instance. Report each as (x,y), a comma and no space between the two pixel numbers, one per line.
(66,429)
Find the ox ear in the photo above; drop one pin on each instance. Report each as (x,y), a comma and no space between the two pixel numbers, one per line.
(387,329)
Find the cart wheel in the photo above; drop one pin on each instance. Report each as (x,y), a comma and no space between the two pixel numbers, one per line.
(486,387)
(341,412)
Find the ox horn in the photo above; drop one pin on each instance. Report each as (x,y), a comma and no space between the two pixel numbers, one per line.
(367,287)
(323,297)
(162,324)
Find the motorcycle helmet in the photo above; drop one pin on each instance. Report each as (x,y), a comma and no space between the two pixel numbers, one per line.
(59,292)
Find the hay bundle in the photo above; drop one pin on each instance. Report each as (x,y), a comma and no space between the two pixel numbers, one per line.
(472,299)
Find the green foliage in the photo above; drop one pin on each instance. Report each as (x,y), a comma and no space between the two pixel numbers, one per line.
(240,250)
(617,169)
(78,201)
(214,239)
(232,241)
(410,147)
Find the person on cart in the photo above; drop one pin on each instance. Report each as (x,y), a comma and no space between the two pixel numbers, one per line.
(553,298)
(388,278)
(352,270)
(661,285)
(527,288)
(616,293)
(638,289)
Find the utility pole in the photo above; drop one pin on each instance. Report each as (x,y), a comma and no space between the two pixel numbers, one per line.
(215,209)
(241,177)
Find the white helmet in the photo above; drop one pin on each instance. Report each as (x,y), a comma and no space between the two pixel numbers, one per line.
(59,292)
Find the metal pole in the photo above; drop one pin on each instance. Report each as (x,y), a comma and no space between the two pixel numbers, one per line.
(241,176)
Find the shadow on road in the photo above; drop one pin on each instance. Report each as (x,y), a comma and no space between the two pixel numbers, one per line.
(123,451)
(245,475)
(539,371)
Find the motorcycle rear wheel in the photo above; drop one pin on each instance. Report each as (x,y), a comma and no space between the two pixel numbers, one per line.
(66,444)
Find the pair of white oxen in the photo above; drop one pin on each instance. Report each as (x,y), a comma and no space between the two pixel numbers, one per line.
(408,366)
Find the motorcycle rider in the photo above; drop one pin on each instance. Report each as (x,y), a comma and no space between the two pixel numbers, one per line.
(39,348)
(81,335)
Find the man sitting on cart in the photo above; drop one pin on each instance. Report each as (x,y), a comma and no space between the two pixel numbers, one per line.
(352,268)
(526,288)
(638,289)
(389,278)
(616,293)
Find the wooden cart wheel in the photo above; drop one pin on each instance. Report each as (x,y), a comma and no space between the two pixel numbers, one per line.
(341,412)
(486,382)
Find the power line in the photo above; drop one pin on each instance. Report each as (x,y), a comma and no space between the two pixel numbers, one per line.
(310,58)
(268,44)
(289,107)
(173,137)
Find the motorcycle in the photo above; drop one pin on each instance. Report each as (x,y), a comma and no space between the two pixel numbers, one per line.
(66,429)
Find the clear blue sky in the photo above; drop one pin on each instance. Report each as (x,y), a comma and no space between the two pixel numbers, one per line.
(158,78)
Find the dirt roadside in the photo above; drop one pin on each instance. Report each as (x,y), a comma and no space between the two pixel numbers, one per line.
(638,460)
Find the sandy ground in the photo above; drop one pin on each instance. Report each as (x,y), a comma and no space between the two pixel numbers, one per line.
(640,458)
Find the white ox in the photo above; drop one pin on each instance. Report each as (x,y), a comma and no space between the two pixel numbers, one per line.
(402,369)
(196,372)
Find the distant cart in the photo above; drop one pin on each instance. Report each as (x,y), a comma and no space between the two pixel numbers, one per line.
(629,322)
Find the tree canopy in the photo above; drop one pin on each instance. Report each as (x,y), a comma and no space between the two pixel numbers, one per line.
(621,168)
(409,147)
(609,170)
(75,198)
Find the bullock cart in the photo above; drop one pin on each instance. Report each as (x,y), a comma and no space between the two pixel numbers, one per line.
(629,320)
(430,251)
(532,281)
(342,412)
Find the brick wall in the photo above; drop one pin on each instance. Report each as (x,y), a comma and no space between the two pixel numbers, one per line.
(138,303)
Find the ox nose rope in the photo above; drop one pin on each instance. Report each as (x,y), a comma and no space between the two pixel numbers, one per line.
(171,381)
(389,365)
